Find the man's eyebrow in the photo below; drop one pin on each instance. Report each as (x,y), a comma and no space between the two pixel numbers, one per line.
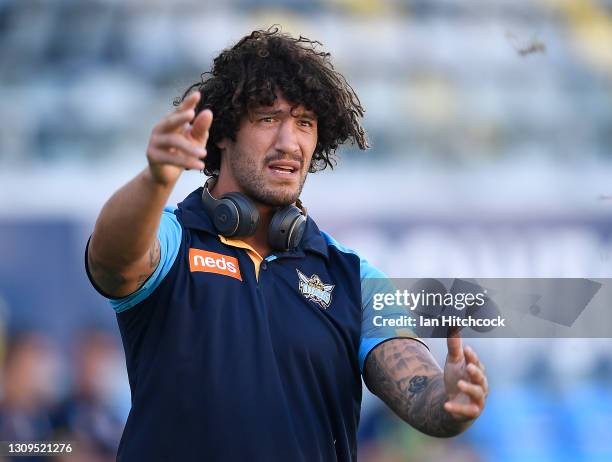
(269,111)
(306,115)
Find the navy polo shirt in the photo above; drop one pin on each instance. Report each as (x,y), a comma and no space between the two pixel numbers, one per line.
(233,357)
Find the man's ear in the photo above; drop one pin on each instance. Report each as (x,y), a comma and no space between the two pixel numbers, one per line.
(222,144)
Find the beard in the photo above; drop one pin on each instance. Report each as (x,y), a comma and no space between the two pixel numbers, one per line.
(252,180)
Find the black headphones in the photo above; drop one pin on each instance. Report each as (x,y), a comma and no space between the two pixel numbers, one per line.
(235,215)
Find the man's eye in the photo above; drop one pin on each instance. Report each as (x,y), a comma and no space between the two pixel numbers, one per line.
(306,123)
(267,119)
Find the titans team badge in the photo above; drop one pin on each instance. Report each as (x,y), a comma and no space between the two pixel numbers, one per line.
(313,289)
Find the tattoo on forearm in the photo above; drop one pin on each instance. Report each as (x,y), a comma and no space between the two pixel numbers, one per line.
(406,377)
(417,384)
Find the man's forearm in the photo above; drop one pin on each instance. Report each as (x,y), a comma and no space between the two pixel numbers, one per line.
(128,222)
(125,232)
(407,378)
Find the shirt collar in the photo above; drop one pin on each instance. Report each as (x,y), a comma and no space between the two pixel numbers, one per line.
(192,214)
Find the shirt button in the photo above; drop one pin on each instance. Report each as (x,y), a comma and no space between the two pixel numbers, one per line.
(264,265)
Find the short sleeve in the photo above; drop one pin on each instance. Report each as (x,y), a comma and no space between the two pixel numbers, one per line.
(169,234)
(374,330)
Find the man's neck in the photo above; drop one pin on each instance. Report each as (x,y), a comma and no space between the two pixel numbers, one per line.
(259,241)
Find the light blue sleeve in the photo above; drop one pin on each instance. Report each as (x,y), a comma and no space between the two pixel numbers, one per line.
(373,281)
(169,235)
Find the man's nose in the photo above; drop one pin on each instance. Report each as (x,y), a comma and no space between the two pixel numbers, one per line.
(287,138)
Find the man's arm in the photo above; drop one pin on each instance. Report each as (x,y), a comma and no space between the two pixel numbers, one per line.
(124,251)
(407,378)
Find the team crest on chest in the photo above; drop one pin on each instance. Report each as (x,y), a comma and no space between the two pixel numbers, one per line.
(313,289)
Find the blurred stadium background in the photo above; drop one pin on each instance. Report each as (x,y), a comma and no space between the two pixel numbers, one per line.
(491,126)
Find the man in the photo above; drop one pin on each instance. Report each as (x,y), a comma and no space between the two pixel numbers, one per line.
(245,327)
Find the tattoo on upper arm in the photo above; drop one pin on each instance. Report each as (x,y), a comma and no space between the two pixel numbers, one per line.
(154,254)
(406,377)
(154,257)
(142,278)
(108,279)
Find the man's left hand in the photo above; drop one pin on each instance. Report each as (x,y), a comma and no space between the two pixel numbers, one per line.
(465,381)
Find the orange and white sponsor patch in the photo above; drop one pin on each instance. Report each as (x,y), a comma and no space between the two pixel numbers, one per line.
(212,262)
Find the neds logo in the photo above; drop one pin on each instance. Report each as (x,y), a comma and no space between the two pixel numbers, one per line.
(212,262)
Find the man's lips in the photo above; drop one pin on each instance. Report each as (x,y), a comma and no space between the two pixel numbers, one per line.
(285,167)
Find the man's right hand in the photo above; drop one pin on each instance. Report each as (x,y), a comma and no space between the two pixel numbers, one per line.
(124,249)
(176,145)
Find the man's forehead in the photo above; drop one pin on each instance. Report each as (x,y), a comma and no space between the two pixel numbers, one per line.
(281,105)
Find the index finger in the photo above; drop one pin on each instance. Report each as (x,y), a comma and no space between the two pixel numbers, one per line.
(453,343)
(201,124)
(175,120)
(189,102)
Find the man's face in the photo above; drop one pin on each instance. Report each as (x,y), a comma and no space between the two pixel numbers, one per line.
(270,158)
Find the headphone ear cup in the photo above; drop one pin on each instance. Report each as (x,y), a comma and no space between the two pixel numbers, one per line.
(225,217)
(286,228)
(246,215)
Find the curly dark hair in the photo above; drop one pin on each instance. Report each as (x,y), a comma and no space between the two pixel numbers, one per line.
(248,75)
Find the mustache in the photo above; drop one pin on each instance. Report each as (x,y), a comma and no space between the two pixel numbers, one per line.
(283,156)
